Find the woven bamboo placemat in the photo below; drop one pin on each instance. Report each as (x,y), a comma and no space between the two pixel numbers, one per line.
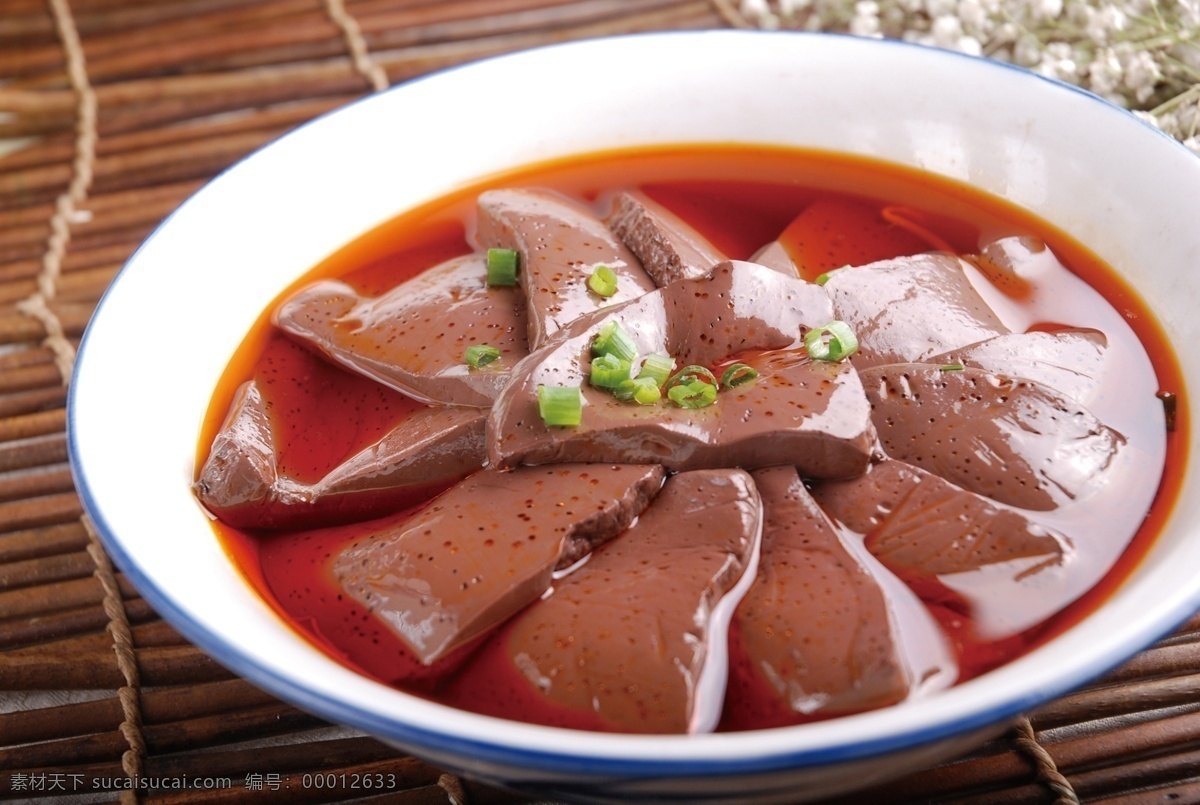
(125,107)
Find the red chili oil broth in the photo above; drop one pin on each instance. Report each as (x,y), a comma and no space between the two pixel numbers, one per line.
(856,210)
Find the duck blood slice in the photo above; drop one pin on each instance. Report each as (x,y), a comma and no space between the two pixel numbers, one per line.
(951,545)
(815,628)
(240,481)
(240,478)
(907,309)
(560,243)
(812,414)
(413,338)
(1069,361)
(830,233)
(668,247)
(915,521)
(626,638)
(1010,439)
(487,547)
(775,257)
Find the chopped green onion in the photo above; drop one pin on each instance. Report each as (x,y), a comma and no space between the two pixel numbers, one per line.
(613,340)
(696,394)
(657,367)
(738,374)
(951,367)
(480,355)
(833,342)
(609,371)
(641,389)
(693,387)
(603,281)
(502,266)
(560,405)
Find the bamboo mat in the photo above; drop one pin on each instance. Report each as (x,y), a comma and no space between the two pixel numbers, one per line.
(124,108)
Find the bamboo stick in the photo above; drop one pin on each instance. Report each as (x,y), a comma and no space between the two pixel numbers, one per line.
(1130,697)
(45,569)
(35,543)
(195,733)
(171,163)
(1172,792)
(152,634)
(29,377)
(1173,659)
(259,29)
(50,510)
(314,36)
(16,328)
(113,17)
(78,286)
(47,598)
(35,483)
(159,706)
(38,451)
(101,205)
(28,356)
(172,665)
(273,117)
(40,628)
(39,424)
(46,394)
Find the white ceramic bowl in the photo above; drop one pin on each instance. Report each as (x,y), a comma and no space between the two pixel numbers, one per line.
(175,314)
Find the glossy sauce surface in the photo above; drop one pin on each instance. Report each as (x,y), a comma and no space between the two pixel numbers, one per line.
(831,211)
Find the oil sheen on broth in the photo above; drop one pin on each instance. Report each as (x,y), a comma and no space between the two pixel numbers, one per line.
(838,534)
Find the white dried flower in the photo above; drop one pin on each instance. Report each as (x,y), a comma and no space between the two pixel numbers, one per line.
(1105,73)
(1141,54)
(1142,74)
(1106,22)
(940,8)
(1046,9)
(759,12)
(866,19)
(1147,117)
(946,31)
(1193,144)
(791,8)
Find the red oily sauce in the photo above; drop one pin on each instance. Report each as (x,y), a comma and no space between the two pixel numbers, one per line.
(832,210)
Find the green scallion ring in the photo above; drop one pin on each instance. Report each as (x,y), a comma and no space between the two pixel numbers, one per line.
(738,374)
(833,342)
(687,387)
(951,367)
(560,405)
(603,281)
(478,355)
(502,265)
(609,371)
(613,340)
(642,390)
(657,367)
(693,394)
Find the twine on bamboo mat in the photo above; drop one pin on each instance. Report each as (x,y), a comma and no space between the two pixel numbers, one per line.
(357,45)
(66,208)
(455,792)
(730,13)
(122,635)
(1026,741)
(36,305)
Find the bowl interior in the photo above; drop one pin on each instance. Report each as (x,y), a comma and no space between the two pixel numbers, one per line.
(166,329)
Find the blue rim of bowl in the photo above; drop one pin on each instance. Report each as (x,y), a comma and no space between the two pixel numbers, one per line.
(417,738)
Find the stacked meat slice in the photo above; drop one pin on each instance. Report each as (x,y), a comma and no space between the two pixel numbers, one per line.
(776,556)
